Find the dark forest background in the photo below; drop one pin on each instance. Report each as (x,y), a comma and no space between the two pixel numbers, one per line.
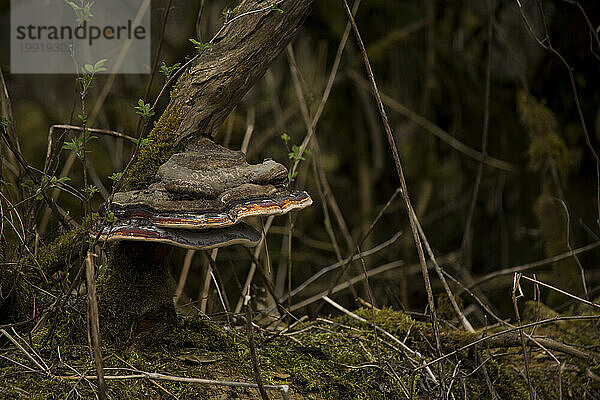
(537,192)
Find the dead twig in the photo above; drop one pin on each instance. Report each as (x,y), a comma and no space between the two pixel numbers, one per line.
(94,323)
(404,192)
(533,265)
(517,286)
(508,331)
(252,346)
(284,389)
(546,285)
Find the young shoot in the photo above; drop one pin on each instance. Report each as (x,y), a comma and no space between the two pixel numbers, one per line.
(77,145)
(144,142)
(230,13)
(275,7)
(293,154)
(91,190)
(144,109)
(88,72)
(167,71)
(46,183)
(82,10)
(115,177)
(200,47)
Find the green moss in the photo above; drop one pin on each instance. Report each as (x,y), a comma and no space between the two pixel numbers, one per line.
(53,262)
(64,250)
(319,360)
(135,293)
(507,381)
(535,311)
(161,146)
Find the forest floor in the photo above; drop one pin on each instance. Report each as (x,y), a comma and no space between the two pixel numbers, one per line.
(336,358)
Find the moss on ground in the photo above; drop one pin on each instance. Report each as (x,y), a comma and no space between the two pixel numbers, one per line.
(19,283)
(326,359)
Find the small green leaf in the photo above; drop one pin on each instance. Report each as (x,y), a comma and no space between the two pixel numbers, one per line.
(91,190)
(275,7)
(4,122)
(110,218)
(200,47)
(168,71)
(144,109)
(295,154)
(115,176)
(99,64)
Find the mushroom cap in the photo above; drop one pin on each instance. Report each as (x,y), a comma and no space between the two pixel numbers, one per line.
(140,230)
(158,206)
(209,186)
(207,169)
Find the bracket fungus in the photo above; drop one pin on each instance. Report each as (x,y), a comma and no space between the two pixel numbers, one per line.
(198,201)
(210,186)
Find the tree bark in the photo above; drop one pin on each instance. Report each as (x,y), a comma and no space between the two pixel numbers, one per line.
(217,81)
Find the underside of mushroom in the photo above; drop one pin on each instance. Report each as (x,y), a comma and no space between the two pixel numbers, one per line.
(205,239)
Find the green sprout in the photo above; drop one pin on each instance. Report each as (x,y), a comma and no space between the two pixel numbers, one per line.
(115,177)
(76,145)
(144,142)
(295,154)
(275,7)
(200,47)
(88,73)
(230,13)
(110,218)
(144,109)
(167,71)
(38,190)
(83,11)
(91,191)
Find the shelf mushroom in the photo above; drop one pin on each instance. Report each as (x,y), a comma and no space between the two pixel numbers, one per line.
(200,198)
(205,239)
(198,201)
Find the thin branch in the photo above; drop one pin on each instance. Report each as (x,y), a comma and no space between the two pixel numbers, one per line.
(404,192)
(532,265)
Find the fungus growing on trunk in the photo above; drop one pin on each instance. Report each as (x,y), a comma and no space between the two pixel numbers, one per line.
(198,202)
(210,186)
(205,239)
(134,294)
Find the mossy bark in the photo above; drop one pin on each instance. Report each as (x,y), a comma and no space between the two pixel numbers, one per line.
(215,83)
(135,293)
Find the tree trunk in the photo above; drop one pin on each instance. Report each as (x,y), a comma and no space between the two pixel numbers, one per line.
(135,302)
(217,81)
